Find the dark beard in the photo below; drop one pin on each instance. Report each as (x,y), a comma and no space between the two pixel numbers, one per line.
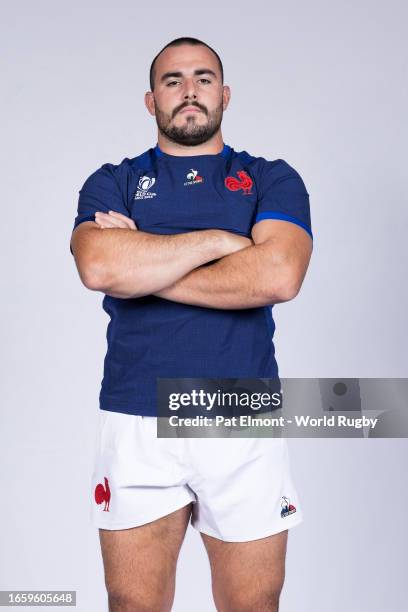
(190,134)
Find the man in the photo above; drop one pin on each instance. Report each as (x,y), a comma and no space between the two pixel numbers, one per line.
(198,241)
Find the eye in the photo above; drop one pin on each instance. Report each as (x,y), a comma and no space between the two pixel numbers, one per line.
(171,83)
(208,81)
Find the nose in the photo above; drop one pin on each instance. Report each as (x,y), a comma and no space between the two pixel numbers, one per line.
(189,90)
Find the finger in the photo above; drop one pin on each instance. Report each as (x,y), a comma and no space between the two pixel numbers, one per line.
(104,225)
(104,221)
(117,214)
(118,219)
(124,222)
(132,225)
(129,222)
(101,215)
(112,221)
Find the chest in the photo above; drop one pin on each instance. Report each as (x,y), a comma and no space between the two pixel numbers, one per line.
(184,198)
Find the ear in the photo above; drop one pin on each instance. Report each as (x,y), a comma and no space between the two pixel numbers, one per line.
(149,102)
(226,95)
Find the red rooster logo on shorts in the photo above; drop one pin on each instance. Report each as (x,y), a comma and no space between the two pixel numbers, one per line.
(244,182)
(103,494)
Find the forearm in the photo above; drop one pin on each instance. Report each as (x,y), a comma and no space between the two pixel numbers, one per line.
(130,263)
(245,279)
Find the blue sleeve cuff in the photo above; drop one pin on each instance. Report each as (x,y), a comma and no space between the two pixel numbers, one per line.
(81,220)
(77,222)
(270,214)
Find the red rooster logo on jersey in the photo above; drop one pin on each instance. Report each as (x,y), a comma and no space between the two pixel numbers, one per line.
(244,182)
(103,494)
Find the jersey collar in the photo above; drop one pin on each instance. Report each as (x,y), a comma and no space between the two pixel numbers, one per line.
(224,153)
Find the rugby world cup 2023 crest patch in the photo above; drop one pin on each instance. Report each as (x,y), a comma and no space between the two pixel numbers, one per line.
(143,188)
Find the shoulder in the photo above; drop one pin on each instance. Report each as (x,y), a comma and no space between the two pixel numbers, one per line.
(118,173)
(267,169)
(276,172)
(276,175)
(279,166)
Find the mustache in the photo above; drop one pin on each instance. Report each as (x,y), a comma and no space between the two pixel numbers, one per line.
(185,104)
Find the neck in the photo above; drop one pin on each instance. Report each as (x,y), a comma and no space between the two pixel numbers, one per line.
(211,147)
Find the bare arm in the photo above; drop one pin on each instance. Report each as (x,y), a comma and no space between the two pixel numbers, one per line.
(269,272)
(129,263)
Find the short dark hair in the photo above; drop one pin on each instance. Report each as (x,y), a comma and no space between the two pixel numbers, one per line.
(184,40)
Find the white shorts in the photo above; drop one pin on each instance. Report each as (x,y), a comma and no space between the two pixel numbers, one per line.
(241,488)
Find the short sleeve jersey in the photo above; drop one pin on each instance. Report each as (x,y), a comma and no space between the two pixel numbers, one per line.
(151,337)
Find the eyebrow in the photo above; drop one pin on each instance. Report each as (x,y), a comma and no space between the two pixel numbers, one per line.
(197,72)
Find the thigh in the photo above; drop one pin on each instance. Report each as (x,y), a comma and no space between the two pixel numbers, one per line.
(244,488)
(247,575)
(140,562)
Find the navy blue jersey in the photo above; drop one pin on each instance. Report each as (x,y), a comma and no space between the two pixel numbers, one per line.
(150,337)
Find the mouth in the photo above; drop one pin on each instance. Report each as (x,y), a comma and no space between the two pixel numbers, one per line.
(190,109)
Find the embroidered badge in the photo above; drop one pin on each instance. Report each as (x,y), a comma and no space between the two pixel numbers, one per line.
(244,182)
(193,178)
(144,184)
(103,494)
(286,507)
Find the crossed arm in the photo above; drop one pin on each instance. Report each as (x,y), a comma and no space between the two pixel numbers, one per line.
(243,273)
